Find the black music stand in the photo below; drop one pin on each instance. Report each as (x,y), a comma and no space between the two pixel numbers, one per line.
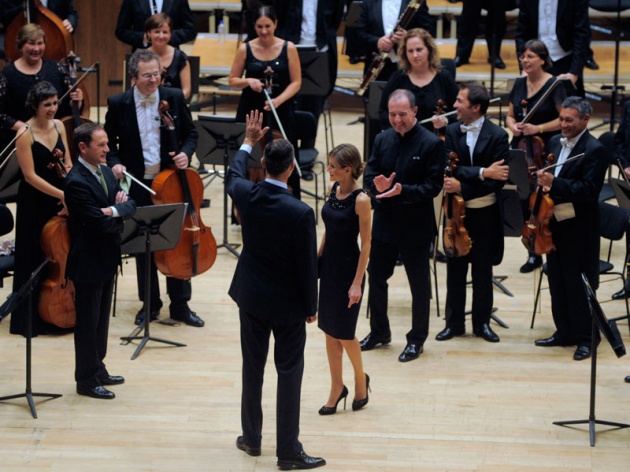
(25,294)
(10,179)
(219,139)
(151,228)
(611,333)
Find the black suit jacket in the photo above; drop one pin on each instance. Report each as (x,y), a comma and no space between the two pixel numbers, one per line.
(572,29)
(95,250)
(276,275)
(622,137)
(133,14)
(492,145)
(121,125)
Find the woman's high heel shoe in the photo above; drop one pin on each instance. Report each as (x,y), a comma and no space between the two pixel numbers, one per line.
(358,404)
(331,410)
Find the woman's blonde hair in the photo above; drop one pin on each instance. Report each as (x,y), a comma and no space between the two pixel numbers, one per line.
(28,33)
(429,42)
(347,155)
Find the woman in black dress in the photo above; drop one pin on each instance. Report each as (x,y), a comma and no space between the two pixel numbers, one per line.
(347,216)
(272,63)
(420,72)
(40,194)
(175,66)
(544,123)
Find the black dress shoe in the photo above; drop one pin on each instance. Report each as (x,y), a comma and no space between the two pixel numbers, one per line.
(582,352)
(551,341)
(113,380)
(307,175)
(300,461)
(440,257)
(370,342)
(252,451)
(190,318)
(485,332)
(99,392)
(447,333)
(140,316)
(498,63)
(627,379)
(533,262)
(621,294)
(411,352)
(460,62)
(591,64)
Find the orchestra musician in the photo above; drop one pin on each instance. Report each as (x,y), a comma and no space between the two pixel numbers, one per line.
(269,61)
(98,208)
(482,148)
(403,175)
(64,9)
(40,194)
(544,122)
(421,73)
(175,66)
(134,13)
(138,145)
(574,188)
(20,76)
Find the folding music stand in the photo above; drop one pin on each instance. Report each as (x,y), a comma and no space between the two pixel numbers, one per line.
(622,192)
(611,333)
(219,139)
(25,294)
(151,228)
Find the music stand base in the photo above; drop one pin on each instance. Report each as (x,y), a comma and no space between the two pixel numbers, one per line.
(144,340)
(497,281)
(29,398)
(231,248)
(591,426)
(494,317)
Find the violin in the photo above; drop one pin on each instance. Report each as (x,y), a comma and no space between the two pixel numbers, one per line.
(534,147)
(536,235)
(74,120)
(197,249)
(57,164)
(455,238)
(441,132)
(59,41)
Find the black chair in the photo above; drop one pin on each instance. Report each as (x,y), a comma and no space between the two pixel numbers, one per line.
(311,168)
(613,224)
(7,263)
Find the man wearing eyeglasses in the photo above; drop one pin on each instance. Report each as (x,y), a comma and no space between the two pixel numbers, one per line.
(138,146)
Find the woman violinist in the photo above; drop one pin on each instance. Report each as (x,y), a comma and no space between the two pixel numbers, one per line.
(158,30)
(544,123)
(40,194)
(20,76)
(272,63)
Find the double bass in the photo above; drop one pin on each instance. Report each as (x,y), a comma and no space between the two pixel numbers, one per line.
(197,249)
(455,238)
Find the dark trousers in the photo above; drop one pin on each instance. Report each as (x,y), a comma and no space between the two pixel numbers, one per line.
(93,303)
(484,229)
(289,360)
(469,25)
(382,262)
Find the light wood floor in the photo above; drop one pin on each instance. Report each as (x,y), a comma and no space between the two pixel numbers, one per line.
(464,405)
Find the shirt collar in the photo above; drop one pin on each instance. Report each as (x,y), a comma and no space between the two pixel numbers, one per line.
(89,166)
(277,183)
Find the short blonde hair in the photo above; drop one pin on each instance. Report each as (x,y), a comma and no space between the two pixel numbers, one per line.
(28,33)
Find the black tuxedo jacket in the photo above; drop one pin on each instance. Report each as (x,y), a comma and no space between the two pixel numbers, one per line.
(95,250)
(572,29)
(622,137)
(492,145)
(276,275)
(121,125)
(133,14)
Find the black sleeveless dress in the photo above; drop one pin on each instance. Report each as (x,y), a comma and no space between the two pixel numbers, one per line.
(338,266)
(33,210)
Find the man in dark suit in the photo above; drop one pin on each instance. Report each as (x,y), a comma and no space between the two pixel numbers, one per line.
(373,30)
(99,207)
(574,188)
(133,14)
(482,148)
(275,287)
(140,146)
(403,175)
(565,32)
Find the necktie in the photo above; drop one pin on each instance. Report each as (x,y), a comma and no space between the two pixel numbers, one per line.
(147,100)
(467,128)
(101,178)
(565,143)
(155,8)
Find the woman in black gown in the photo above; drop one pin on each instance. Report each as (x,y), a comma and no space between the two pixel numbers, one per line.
(544,123)
(347,216)
(272,63)
(40,194)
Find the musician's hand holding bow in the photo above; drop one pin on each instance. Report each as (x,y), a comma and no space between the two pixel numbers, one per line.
(545,179)
(452,185)
(118,170)
(255,84)
(77,96)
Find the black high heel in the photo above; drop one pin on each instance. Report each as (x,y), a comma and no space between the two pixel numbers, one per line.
(331,410)
(358,404)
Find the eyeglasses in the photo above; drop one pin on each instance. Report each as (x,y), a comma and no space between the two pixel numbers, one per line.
(154,75)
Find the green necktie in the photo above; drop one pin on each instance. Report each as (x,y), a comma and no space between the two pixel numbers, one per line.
(101,177)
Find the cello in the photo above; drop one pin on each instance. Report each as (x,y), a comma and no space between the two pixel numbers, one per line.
(59,41)
(455,237)
(73,121)
(196,250)
(536,235)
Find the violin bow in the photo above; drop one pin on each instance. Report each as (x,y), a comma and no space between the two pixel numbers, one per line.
(26,127)
(452,112)
(553,166)
(79,80)
(284,135)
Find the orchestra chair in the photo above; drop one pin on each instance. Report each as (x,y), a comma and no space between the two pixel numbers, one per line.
(613,223)
(311,168)
(7,263)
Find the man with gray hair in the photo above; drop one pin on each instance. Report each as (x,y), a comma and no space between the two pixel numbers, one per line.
(574,187)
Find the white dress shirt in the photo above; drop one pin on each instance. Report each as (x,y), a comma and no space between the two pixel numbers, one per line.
(547,20)
(149,126)
(308,34)
(566,150)
(155,6)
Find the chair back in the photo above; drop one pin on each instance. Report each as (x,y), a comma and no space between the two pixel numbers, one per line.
(613,221)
